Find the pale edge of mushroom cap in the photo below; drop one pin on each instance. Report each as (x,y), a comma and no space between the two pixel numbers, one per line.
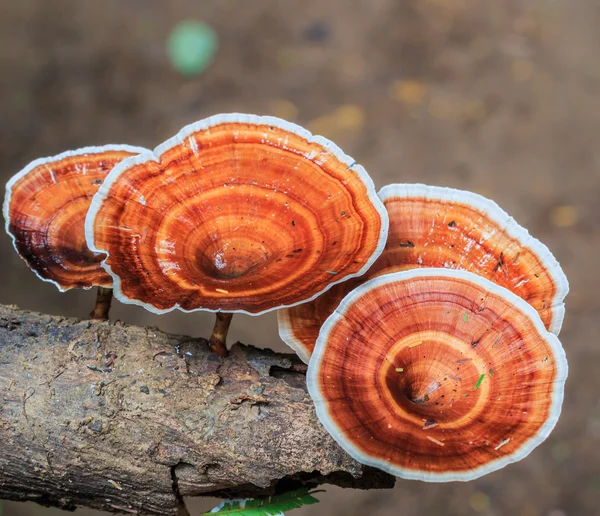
(48,161)
(204,125)
(496,214)
(312,377)
(287,335)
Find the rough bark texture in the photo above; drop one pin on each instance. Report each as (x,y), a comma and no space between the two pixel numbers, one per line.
(123,418)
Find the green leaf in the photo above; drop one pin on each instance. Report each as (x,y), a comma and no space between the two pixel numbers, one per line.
(270,506)
(479,381)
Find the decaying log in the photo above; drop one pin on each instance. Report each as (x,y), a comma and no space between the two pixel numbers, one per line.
(123,418)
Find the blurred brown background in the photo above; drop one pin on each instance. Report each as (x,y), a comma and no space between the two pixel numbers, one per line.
(499,97)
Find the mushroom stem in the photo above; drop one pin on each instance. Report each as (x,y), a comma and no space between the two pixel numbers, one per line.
(218,339)
(103,300)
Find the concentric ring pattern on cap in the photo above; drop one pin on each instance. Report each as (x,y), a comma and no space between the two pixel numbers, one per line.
(237,213)
(45,208)
(437,375)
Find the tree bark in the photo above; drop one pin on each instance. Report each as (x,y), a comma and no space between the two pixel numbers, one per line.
(122,418)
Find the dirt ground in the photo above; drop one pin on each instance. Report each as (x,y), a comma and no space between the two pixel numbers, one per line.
(502,98)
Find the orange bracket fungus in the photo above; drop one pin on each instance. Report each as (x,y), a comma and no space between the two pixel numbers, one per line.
(44,212)
(437,375)
(442,227)
(236,213)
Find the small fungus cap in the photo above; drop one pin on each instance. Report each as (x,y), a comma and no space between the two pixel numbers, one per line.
(437,375)
(442,227)
(237,213)
(44,211)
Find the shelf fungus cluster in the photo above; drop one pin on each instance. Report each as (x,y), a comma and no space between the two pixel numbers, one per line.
(427,315)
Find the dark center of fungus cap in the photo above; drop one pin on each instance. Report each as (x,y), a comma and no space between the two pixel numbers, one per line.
(432,376)
(233,258)
(66,229)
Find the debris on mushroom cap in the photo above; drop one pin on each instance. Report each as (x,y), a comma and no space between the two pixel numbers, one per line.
(237,213)
(442,419)
(45,208)
(442,227)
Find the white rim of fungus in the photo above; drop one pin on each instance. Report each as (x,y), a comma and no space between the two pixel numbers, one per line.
(286,334)
(206,124)
(496,214)
(47,161)
(508,224)
(313,373)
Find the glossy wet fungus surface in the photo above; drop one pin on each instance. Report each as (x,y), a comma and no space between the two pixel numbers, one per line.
(236,213)
(436,375)
(45,209)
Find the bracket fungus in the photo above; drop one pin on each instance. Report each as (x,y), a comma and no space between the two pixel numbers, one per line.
(437,375)
(236,213)
(44,212)
(447,228)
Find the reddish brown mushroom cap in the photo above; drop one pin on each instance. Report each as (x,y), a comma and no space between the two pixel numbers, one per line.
(237,213)
(442,227)
(437,375)
(45,208)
